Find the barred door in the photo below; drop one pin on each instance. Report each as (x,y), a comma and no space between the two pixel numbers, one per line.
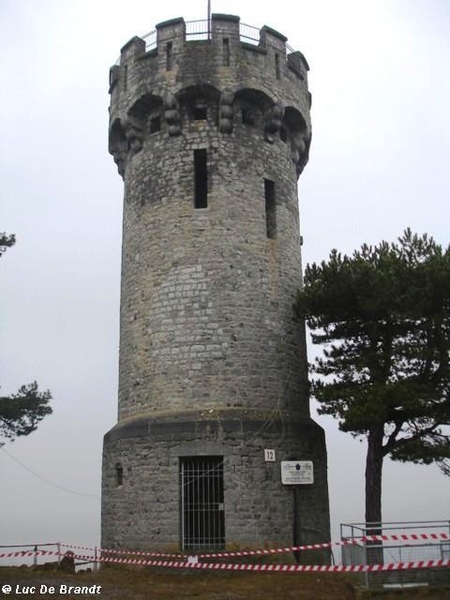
(202,510)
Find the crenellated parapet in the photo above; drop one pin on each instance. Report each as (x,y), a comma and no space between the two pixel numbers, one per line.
(225,79)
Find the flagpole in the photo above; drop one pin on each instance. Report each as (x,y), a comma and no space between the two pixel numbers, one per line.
(209,19)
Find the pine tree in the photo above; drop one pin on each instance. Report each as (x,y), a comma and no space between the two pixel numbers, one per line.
(382,316)
(20,413)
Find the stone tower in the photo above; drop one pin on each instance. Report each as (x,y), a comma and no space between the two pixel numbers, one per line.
(210,136)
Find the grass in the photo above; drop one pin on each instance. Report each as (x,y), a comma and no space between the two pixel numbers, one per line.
(134,583)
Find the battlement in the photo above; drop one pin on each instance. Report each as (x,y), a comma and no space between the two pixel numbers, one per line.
(217,70)
(220,49)
(220,27)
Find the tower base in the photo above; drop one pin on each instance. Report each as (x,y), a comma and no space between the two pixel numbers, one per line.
(200,480)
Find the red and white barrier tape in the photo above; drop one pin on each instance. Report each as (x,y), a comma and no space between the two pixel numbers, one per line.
(31,553)
(192,563)
(269,551)
(213,555)
(26,553)
(351,541)
(128,552)
(415,537)
(405,537)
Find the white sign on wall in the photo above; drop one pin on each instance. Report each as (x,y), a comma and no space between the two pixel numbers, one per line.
(269,455)
(297,472)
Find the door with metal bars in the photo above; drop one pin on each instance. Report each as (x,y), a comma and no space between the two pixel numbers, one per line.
(202,509)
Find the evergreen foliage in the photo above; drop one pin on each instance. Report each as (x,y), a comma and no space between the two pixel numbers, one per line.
(6,241)
(20,413)
(382,316)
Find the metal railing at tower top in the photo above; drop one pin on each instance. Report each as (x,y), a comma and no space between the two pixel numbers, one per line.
(201,30)
(150,40)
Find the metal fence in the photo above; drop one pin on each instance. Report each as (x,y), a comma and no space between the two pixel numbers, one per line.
(150,40)
(27,554)
(201,30)
(37,555)
(418,545)
(198,30)
(249,34)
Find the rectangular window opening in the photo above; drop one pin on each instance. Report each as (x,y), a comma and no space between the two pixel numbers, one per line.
(155,124)
(226,52)
(202,503)
(271,209)
(125,78)
(119,475)
(277,66)
(200,179)
(169,56)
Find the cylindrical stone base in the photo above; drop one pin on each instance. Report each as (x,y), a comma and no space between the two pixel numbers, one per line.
(145,494)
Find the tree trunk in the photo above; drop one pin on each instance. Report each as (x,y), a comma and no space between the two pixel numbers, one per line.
(374,468)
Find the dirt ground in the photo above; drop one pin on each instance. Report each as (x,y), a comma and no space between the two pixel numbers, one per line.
(125,583)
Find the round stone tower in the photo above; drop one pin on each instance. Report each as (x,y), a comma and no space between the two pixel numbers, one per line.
(210,136)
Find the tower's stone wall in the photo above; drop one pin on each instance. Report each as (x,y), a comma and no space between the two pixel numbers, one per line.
(144,511)
(211,359)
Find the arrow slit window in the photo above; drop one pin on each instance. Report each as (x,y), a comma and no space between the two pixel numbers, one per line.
(271,209)
(200,179)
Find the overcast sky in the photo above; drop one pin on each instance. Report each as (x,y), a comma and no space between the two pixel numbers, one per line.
(379,162)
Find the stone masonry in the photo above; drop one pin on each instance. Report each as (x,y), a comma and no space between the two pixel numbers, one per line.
(210,137)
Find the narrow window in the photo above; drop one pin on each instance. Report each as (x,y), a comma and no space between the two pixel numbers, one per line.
(200,179)
(277,66)
(199,113)
(202,503)
(169,56)
(155,124)
(119,475)
(125,78)
(226,52)
(271,209)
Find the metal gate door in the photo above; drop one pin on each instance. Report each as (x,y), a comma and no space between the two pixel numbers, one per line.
(202,510)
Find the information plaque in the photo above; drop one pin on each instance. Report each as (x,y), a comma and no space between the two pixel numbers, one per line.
(297,472)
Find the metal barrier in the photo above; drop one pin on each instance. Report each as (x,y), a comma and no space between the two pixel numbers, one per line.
(392,550)
(249,34)
(201,30)
(36,555)
(198,30)
(11,555)
(150,41)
